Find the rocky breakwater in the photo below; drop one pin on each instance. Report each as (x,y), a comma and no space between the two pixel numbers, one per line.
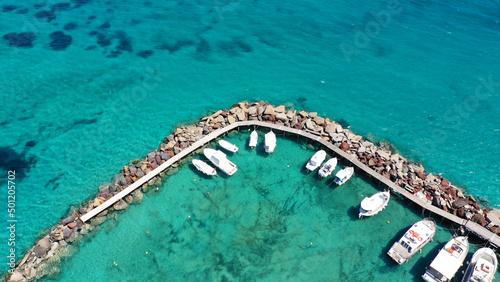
(40,260)
(382,158)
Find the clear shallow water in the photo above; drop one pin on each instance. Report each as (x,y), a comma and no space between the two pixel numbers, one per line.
(413,84)
(256,225)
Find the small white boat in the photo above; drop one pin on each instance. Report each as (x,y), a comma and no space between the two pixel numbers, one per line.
(328,168)
(448,261)
(228,146)
(220,160)
(316,160)
(413,240)
(374,204)
(270,142)
(253,139)
(343,175)
(482,266)
(204,167)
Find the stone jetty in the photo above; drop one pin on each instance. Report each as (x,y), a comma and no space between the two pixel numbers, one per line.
(128,188)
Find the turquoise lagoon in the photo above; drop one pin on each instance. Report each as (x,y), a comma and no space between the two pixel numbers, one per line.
(270,221)
(427,81)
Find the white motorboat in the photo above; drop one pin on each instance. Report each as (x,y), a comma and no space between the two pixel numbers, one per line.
(449,259)
(270,142)
(228,146)
(343,175)
(316,160)
(374,204)
(482,266)
(328,168)
(219,159)
(253,139)
(413,240)
(204,167)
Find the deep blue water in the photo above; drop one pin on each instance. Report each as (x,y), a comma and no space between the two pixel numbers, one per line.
(88,86)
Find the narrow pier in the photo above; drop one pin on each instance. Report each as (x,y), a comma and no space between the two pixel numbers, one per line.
(477,229)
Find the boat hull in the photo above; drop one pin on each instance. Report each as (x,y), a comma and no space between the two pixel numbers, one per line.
(254,137)
(204,167)
(372,205)
(343,175)
(402,250)
(449,259)
(228,146)
(316,160)
(220,160)
(270,142)
(327,169)
(482,266)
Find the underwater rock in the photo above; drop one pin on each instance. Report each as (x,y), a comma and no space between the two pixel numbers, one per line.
(70,26)
(63,6)
(60,41)
(145,54)
(20,40)
(47,15)
(22,11)
(8,8)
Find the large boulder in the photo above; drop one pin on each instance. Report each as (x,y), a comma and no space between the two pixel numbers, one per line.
(269,110)
(460,203)
(479,218)
(330,129)
(309,124)
(344,146)
(319,120)
(67,220)
(42,247)
(67,233)
(17,277)
(252,111)
(279,109)
(495,229)
(120,205)
(281,116)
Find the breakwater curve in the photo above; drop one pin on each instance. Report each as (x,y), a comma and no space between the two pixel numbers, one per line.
(428,191)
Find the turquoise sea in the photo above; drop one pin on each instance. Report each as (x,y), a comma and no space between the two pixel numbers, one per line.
(87,86)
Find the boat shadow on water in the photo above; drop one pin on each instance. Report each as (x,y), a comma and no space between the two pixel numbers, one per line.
(353,213)
(423,261)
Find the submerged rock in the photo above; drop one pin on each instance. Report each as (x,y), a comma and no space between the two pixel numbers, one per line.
(60,41)
(20,40)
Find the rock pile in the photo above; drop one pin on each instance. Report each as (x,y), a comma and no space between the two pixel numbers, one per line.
(382,159)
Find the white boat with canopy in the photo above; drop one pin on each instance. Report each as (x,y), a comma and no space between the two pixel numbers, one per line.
(413,240)
(449,259)
(316,160)
(374,204)
(204,167)
(254,137)
(219,159)
(270,142)
(328,168)
(228,146)
(482,266)
(343,175)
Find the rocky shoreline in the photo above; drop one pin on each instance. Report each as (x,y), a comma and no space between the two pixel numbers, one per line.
(39,260)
